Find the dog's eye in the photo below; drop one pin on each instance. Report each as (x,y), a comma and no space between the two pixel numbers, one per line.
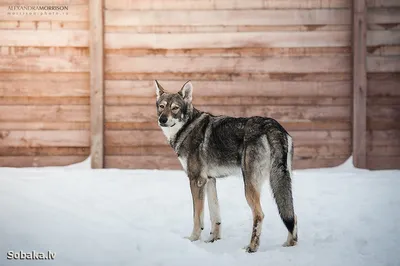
(161,106)
(175,108)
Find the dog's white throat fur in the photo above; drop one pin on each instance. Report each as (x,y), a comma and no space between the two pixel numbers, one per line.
(170,132)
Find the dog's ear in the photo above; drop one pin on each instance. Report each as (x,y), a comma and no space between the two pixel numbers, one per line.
(186,91)
(159,89)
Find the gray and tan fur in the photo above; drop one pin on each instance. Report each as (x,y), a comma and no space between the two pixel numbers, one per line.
(211,147)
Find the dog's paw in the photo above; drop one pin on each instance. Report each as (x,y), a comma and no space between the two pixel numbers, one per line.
(289,243)
(250,249)
(193,238)
(212,238)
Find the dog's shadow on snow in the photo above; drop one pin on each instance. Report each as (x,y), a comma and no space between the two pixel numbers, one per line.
(234,244)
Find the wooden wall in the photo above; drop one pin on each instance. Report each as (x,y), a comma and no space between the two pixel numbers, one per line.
(287,59)
(44,86)
(383,82)
(290,60)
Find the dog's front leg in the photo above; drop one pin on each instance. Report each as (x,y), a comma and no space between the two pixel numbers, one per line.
(197,188)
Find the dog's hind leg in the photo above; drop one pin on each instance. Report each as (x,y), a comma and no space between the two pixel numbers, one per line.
(254,163)
(213,206)
(281,185)
(253,199)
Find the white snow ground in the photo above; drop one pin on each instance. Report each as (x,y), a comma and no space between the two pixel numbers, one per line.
(124,217)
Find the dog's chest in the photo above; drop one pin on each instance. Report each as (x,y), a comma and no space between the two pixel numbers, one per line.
(170,132)
(183,161)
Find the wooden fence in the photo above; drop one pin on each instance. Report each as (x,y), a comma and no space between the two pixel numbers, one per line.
(288,59)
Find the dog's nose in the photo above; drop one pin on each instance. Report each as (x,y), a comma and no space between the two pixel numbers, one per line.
(163,119)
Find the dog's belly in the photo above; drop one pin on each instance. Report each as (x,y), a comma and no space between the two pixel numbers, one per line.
(219,171)
(215,171)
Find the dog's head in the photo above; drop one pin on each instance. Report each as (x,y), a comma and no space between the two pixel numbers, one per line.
(173,109)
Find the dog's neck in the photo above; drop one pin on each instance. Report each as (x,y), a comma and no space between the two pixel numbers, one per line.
(172,133)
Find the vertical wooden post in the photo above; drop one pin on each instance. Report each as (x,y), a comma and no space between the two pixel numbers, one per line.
(96,83)
(359,84)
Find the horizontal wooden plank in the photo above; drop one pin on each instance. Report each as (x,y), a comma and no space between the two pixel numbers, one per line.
(123,64)
(384,26)
(48,76)
(142,162)
(383,15)
(44,63)
(46,151)
(383,151)
(273,76)
(217,76)
(227,29)
(384,50)
(328,137)
(172,163)
(231,100)
(157,138)
(318,151)
(383,100)
(383,3)
(383,117)
(302,152)
(43,25)
(382,124)
(383,88)
(43,51)
(27,125)
(165,150)
(383,76)
(76,38)
(37,138)
(135,138)
(309,151)
(229,52)
(40,161)
(227,17)
(384,137)
(28,100)
(289,125)
(319,162)
(145,88)
(74,13)
(383,63)
(384,112)
(226,40)
(44,88)
(383,37)
(54,113)
(45,2)
(224,4)
(383,162)
(147,113)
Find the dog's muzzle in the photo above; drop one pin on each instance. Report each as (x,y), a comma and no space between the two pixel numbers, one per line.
(165,125)
(163,120)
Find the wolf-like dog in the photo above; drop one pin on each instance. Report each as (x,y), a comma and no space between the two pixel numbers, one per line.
(211,147)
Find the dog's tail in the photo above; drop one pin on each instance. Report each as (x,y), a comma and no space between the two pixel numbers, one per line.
(281,185)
